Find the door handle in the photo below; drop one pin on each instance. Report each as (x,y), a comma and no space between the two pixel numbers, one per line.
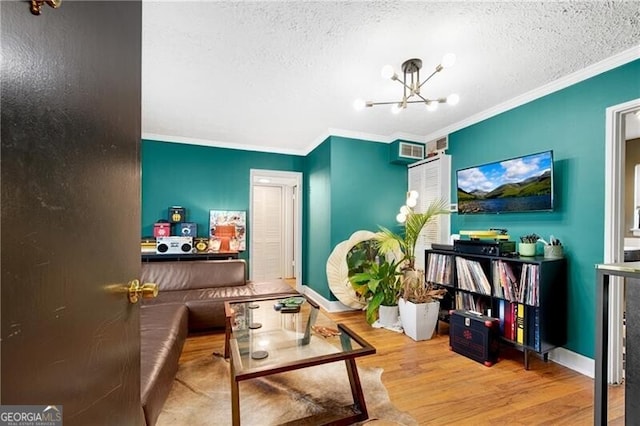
(137,290)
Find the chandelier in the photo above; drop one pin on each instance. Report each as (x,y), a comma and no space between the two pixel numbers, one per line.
(411,86)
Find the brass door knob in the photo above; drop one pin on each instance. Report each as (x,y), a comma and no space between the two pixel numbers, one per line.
(146,290)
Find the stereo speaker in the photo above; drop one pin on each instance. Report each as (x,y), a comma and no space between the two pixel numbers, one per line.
(174,245)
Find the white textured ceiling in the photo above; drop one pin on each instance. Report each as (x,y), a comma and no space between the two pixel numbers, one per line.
(277,76)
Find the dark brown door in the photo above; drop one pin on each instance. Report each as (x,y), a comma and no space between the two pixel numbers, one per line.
(70,133)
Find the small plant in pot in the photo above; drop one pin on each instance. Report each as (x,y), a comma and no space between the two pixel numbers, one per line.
(379,283)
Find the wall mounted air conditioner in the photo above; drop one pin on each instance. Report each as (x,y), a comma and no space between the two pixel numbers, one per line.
(403,152)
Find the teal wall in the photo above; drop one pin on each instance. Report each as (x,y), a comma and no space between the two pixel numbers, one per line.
(367,190)
(200,179)
(317,218)
(351,186)
(571,122)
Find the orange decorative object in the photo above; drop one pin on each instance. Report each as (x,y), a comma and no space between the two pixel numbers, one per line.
(225,233)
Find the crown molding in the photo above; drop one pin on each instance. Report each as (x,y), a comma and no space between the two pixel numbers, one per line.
(608,64)
(371,137)
(219,144)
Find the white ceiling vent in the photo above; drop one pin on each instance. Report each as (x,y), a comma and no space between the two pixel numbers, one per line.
(404,152)
(437,146)
(411,151)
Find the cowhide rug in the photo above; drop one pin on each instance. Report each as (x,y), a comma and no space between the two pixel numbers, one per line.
(201,395)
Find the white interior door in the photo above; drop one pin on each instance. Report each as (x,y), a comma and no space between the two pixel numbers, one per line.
(275,227)
(268,232)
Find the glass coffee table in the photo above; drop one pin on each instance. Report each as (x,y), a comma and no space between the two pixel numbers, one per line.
(271,336)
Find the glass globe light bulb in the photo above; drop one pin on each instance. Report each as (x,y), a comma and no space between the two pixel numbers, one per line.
(396,108)
(411,202)
(404,210)
(359,104)
(432,106)
(453,99)
(448,60)
(413,194)
(387,72)
(401,217)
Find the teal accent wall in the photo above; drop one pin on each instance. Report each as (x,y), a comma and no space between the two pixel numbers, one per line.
(571,122)
(317,218)
(351,185)
(367,190)
(200,179)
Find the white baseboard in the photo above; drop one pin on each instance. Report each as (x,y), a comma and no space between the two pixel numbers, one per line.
(328,305)
(576,362)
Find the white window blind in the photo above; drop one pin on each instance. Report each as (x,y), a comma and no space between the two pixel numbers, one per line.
(432,179)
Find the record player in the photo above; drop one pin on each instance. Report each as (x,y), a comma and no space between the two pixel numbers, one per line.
(494,242)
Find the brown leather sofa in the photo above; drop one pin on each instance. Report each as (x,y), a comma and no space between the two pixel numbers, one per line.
(191,298)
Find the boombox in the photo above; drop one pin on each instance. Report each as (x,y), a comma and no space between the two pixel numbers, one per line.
(174,245)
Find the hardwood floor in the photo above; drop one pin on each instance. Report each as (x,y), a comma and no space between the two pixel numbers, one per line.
(437,386)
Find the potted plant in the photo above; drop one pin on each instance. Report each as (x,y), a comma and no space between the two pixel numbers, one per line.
(379,283)
(419,306)
(418,297)
(527,246)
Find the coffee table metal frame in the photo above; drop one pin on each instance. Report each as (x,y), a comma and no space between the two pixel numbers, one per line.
(358,409)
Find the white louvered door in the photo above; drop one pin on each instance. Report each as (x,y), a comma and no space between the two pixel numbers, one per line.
(268,232)
(432,179)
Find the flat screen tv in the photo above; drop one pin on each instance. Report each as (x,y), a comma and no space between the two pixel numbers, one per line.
(520,184)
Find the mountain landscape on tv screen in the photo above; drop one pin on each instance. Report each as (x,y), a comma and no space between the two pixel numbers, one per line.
(533,193)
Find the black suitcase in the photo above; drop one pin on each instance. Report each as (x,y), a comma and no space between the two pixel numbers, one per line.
(475,336)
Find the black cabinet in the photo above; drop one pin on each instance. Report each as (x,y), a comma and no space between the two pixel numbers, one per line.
(527,294)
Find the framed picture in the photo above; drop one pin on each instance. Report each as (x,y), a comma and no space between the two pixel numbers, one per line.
(227,230)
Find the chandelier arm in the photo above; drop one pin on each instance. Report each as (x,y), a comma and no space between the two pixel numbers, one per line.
(425,100)
(429,78)
(421,101)
(389,103)
(404,84)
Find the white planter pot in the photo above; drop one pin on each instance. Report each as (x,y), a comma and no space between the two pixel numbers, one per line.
(388,316)
(419,320)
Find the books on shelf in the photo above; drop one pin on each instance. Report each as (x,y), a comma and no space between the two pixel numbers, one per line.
(520,323)
(471,277)
(472,302)
(506,285)
(438,269)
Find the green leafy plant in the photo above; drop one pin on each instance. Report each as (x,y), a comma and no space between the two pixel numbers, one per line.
(379,284)
(405,242)
(361,256)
